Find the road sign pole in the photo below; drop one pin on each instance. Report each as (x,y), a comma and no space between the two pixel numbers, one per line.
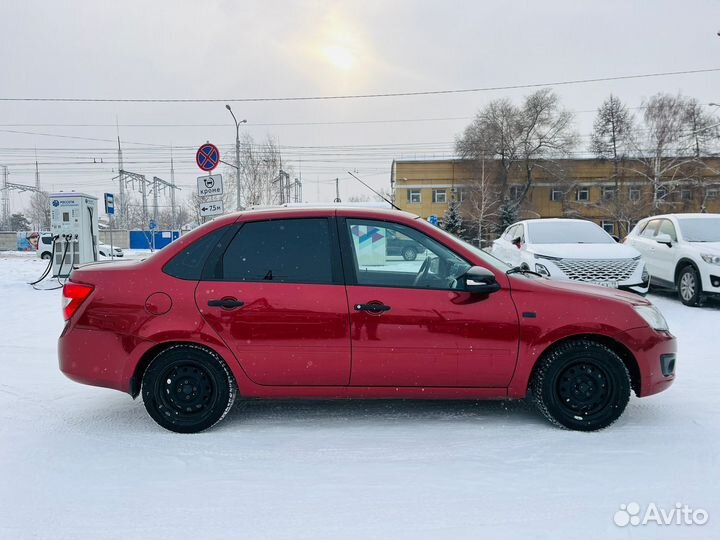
(112,247)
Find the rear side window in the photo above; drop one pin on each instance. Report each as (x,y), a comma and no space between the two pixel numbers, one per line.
(188,264)
(283,250)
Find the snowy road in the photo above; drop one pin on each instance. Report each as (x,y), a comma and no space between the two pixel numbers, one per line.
(79,462)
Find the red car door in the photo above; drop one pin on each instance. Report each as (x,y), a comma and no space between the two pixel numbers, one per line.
(412,325)
(277,299)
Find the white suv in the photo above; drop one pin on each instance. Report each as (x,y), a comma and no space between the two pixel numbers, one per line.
(682,252)
(572,249)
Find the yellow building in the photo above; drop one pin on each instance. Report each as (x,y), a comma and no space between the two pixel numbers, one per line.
(586,188)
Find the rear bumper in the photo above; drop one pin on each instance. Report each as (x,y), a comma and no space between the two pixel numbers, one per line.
(100,358)
(655,353)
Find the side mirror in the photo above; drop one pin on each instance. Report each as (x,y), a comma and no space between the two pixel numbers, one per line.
(664,238)
(517,242)
(479,280)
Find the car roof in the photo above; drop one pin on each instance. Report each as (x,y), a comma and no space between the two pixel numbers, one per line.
(681,215)
(553,219)
(329,210)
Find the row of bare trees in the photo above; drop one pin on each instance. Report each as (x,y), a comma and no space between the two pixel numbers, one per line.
(663,148)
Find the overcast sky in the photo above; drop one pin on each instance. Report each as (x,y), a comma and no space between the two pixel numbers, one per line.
(240,49)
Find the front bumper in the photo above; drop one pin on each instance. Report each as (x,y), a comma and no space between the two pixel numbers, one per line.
(655,353)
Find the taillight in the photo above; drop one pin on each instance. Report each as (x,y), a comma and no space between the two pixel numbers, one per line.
(74,294)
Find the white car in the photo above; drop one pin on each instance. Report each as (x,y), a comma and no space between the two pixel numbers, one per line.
(572,249)
(105,251)
(45,247)
(682,253)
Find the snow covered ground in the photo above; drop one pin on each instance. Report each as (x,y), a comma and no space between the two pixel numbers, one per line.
(78,462)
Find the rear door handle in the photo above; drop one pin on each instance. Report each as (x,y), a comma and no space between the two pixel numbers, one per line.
(226,303)
(372,308)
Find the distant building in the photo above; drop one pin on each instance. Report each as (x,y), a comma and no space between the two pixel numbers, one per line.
(585,188)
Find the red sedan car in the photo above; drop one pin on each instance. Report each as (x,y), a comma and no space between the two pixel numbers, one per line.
(307,303)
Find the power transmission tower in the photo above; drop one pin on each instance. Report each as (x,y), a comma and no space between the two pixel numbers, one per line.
(123,214)
(173,224)
(5,201)
(337,191)
(160,185)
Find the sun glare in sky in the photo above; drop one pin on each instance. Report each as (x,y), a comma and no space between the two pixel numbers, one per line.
(339,56)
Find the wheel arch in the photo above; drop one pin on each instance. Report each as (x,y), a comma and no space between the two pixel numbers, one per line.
(617,347)
(682,263)
(150,354)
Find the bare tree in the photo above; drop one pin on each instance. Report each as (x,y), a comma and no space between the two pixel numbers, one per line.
(611,139)
(665,150)
(259,171)
(39,210)
(525,137)
(481,203)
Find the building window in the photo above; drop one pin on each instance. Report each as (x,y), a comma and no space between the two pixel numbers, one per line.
(414,196)
(515,192)
(439,196)
(557,194)
(462,194)
(608,226)
(635,193)
(662,193)
(608,193)
(712,193)
(686,195)
(583,194)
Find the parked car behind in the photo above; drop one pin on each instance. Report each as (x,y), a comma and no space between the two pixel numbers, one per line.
(572,249)
(682,253)
(397,243)
(107,251)
(294,303)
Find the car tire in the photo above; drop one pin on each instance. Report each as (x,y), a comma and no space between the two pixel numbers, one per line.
(689,286)
(187,389)
(45,255)
(409,253)
(581,385)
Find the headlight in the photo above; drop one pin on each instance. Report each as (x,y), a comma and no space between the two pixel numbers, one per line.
(710,258)
(653,317)
(541,269)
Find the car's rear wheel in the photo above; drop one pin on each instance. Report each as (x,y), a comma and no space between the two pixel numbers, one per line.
(45,255)
(187,389)
(409,253)
(689,287)
(581,385)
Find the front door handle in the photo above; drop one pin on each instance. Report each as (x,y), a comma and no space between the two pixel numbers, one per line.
(226,303)
(372,308)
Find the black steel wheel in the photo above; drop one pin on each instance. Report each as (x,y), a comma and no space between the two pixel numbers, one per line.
(45,255)
(188,389)
(689,287)
(409,253)
(581,385)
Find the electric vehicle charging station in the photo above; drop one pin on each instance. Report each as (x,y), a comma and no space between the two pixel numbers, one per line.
(74,225)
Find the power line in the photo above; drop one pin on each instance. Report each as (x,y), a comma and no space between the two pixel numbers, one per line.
(360,96)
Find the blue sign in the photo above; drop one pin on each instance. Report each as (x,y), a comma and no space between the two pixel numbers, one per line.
(153,225)
(433,220)
(207,157)
(109,204)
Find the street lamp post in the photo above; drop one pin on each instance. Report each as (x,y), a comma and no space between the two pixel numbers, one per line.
(238,206)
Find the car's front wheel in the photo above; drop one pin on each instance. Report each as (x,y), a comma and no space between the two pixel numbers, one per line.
(581,385)
(409,253)
(689,287)
(187,389)
(45,255)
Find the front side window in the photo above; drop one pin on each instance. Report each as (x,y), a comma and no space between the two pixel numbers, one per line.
(650,228)
(666,227)
(283,250)
(439,196)
(414,196)
(435,267)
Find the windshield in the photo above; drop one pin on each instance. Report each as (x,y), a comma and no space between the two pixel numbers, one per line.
(484,255)
(700,229)
(567,232)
